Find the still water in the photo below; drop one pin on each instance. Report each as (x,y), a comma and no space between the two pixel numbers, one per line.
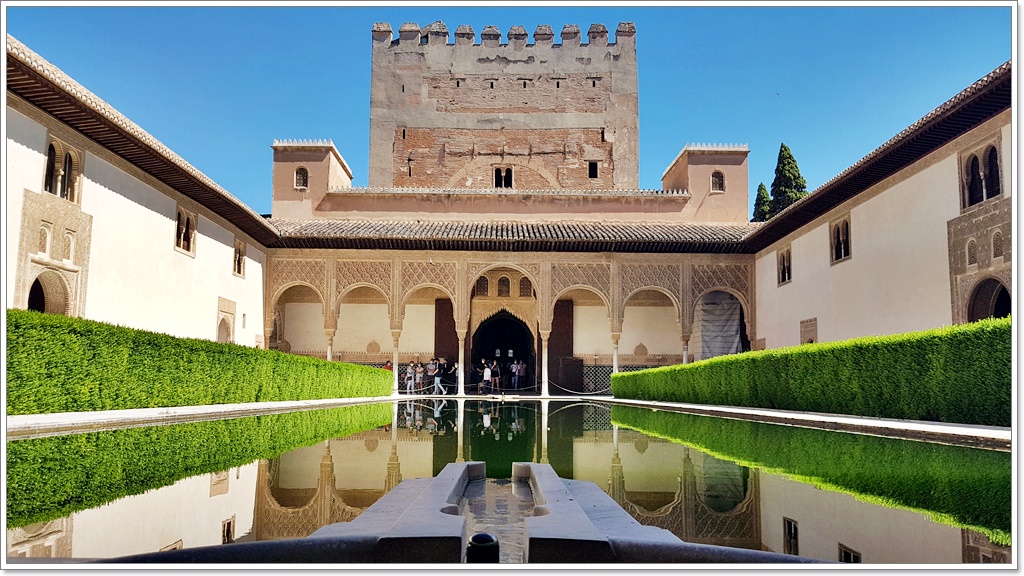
(826,495)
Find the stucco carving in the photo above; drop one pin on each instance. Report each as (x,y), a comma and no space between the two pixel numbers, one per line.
(375,273)
(637,276)
(596,276)
(419,272)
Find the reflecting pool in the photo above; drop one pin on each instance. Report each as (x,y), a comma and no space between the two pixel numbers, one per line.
(827,495)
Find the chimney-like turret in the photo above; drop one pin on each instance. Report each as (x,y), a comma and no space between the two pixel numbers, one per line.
(437,34)
(490,37)
(597,35)
(464,35)
(570,36)
(625,34)
(409,32)
(517,37)
(543,36)
(381,33)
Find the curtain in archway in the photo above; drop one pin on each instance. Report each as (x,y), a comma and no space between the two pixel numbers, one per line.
(720,325)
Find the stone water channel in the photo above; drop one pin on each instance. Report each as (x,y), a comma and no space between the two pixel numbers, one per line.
(832,496)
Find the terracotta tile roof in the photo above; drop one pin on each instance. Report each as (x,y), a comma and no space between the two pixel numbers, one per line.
(561,236)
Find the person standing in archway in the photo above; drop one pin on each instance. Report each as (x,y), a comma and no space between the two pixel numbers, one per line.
(495,376)
(485,383)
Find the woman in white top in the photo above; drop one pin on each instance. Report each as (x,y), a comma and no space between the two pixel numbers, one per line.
(486,382)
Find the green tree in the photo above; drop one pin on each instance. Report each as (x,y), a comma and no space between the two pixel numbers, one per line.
(788,186)
(762,204)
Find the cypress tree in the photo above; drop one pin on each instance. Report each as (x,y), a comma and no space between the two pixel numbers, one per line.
(788,186)
(762,204)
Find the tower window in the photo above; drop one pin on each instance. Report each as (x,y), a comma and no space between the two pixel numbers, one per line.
(592,169)
(238,266)
(457,84)
(62,170)
(558,84)
(185,234)
(524,83)
(972,253)
(593,83)
(602,135)
(717,182)
(492,85)
(997,244)
(403,133)
(503,177)
(975,190)
(301,177)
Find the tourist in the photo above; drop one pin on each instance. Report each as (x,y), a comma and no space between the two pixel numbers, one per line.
(388,366)
(514,369)
(485,384)
(521,372)
(495,376)
(452,376)
(410,375)
(419,377)
(439,369)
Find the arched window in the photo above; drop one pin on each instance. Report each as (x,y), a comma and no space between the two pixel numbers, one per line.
(997,244)
(992,173)
(718,182)
(525,287)
(975,192)
(44,240)
(841,241)
(185,231)
(785,270)
(51,168)
(65,177)
(239,260)
(481,286)
(504,286)
(972,252)
(69,247)
(508,177)
(498,181)
(301,178)
(502,178)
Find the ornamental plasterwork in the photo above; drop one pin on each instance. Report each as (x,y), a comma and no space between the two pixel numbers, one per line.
(376,273)
(596,276)
(417,273)
(311,272)
(705,278)
(638,276)
(524,309)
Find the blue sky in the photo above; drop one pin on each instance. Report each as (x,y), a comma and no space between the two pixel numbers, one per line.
(218,85)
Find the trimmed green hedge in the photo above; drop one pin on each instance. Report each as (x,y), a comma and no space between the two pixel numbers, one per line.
(49,478)
(61,364)
(961,487)
(958,374)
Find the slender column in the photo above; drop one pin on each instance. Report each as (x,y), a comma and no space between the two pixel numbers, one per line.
(544,430)
(330,344)
(458,423)
(615,352)
(462,362)
(544,334)
(686,350)
(395,334)
(266,338)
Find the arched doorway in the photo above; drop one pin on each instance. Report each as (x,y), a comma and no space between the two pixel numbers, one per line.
(719,326)
(48,294)
(503,334)
(990,300)
(223,331)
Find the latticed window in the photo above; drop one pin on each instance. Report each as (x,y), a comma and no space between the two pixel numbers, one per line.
(997,245)
(503,177)
(504,286)
(841,241)
(718,182)
(62,169)
(972,252)
(481,286)
(525,287)
(301,178)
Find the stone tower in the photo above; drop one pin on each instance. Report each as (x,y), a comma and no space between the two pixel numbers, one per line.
(503,115)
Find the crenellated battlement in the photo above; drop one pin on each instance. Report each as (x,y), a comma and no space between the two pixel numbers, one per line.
(517,38)
(714,147)
(298,143)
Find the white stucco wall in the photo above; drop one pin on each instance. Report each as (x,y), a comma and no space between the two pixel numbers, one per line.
(183,511)
(304,327)
(360,324)
(896,280)
(825,519)
(591,331)
(417,330)
(136,277)
(654,326)
(24,168)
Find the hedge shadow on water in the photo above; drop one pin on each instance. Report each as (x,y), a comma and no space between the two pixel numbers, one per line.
(50,478)
(959,374)
(956,486)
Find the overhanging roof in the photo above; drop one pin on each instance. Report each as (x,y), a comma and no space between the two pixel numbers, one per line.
(46,87)
(978,103)
(565,236)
